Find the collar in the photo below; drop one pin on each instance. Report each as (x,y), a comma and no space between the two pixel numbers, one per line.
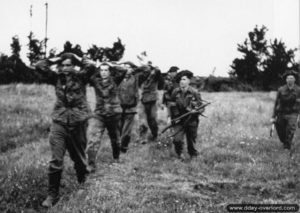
(68,72)
(292,88)
(106,83)
(188,89)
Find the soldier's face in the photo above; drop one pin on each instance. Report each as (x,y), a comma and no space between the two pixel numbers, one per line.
(290,79)
(67,65)
(104,71)
(184,82)
(128,68)
(168,84)
(172,74)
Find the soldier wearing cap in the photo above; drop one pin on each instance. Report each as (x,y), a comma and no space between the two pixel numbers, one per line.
(107,113)
(69,116)
(128,91)
(186,99)
(287,109)
(172,72)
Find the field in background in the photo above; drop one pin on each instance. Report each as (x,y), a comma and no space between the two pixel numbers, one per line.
(238,162)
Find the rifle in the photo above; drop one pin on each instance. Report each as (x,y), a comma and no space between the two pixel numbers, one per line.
(167,140)
(178,119)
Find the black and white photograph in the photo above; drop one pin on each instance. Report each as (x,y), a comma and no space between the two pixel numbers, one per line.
(130,106)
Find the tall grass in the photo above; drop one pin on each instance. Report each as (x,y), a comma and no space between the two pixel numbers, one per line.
(238,162)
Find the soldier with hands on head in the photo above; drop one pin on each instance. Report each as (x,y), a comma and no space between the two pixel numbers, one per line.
(149,78)
(107,113)
(287,109)
(128,91)
(69,116)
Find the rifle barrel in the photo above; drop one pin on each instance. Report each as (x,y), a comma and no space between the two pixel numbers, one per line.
(188,113)
(175,120)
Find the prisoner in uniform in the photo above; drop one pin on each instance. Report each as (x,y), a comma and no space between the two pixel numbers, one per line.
(169,85)
(107,113)
(129,95)
(149,79)
(69,119)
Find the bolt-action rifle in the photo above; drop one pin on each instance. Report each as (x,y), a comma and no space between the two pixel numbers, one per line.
(167,140)
(175,121)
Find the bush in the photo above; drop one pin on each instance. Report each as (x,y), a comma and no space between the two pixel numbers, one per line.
(218,84)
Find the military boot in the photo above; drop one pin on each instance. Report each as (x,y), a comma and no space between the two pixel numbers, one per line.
(124,144)
(53,189)
(82,175)
(50,201)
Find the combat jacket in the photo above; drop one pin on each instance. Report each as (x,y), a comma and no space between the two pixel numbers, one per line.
(107,99)
(169,86)
(71,105)
(287,100)
(186,101)
(149,77)
(129,93)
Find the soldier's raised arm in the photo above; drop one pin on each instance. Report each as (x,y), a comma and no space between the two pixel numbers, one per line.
(118,73)
(43,72)
(88,70)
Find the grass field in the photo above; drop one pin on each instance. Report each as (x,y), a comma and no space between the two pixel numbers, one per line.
(238,162)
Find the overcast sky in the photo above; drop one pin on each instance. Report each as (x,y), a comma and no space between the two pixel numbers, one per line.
(192,34)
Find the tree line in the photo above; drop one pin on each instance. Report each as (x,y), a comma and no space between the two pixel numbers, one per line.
(260,67)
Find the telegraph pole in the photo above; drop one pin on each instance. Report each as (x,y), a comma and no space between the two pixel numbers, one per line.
(30,18)
(46,38)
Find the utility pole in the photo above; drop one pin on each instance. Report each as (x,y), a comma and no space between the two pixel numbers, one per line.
(30,18)
(46,38)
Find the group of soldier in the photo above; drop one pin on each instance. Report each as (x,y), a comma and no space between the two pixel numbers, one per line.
(78,130)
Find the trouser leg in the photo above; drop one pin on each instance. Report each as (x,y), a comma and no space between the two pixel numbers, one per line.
(178,139)
(290,129)
(128,121)
(94,134)
(76,146)
(280,126)
(57,140)
(151,114)
(112,124)
(191,135)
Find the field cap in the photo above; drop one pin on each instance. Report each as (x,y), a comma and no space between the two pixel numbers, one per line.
(290,72)
(186,73)
(173,69)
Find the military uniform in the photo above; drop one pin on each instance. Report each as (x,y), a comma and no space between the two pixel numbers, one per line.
(150,77)
(286,109)
(170,85)
(107,115)
(68,129)
(129,96)
(185,102)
